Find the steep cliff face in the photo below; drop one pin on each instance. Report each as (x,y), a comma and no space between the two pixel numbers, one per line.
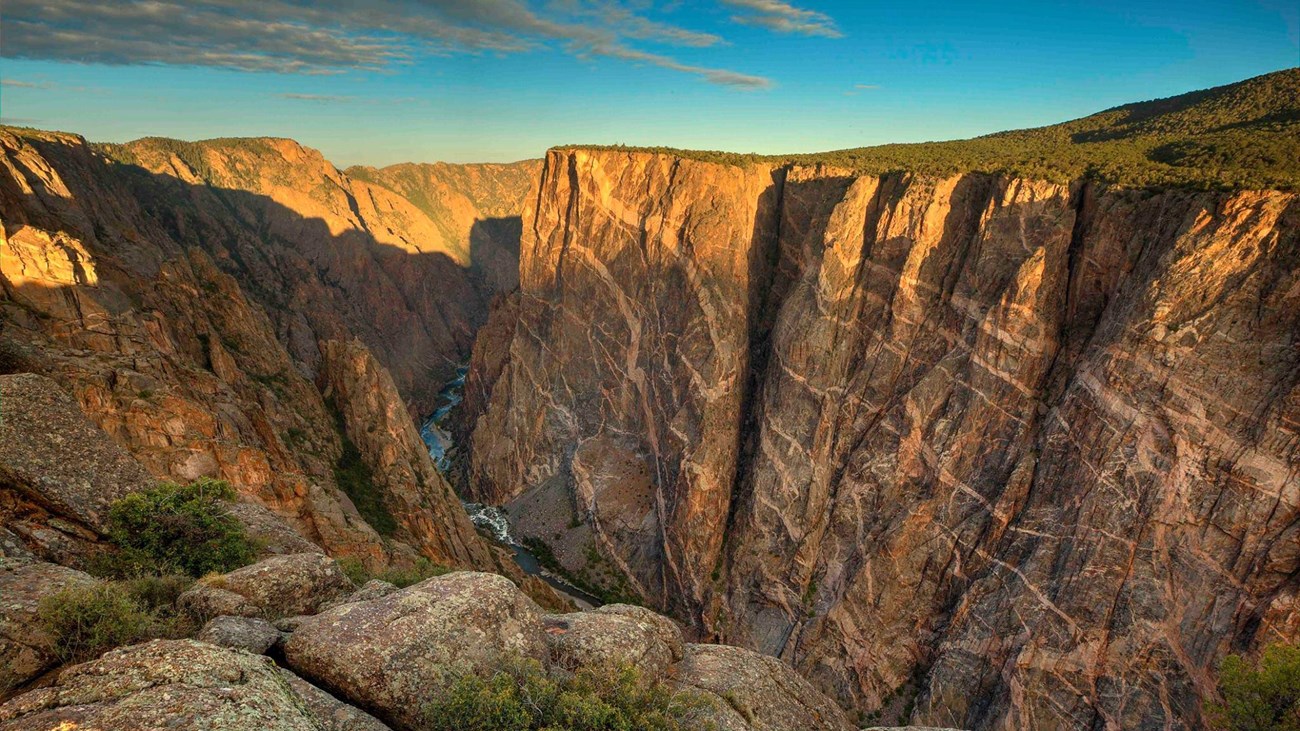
(188,320)
(1028,449)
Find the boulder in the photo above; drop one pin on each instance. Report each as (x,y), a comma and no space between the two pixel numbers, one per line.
(164,684)
(299,583)
(205,600)
(332,713)
(393,654)
(242,633)
(25,649)
(749,691)
(372,589)
(612,636)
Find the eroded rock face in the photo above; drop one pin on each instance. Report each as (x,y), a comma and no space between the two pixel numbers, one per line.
(392,654)
(752,692)
(613,637)
(58,472)
(164,684)
(25,650)
(1033,442)
(181,293)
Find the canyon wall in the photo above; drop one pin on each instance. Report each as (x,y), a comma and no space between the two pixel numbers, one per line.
(234,309)
(1025,452)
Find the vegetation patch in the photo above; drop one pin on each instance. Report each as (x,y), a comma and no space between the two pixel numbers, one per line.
(357,481)
(176,529)
(399,577)
(521,695)
(1241,136)
(1260,696)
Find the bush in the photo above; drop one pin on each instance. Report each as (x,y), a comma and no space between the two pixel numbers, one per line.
(522,695)
(176,529)
(1259,697)
(85,622)
(401,578)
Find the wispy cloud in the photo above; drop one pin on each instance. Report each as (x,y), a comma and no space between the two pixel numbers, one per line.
(866,86)
(15,83)
(306,36)
(327,98)
(783,17)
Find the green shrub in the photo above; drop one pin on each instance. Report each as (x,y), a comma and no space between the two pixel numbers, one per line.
(354,569)
(402,578)
(1264,696)
(357,481)
(85,622)
(521,695)
(176,529)
(399,577)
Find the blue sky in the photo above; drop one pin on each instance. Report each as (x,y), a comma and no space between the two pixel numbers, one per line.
(384,81)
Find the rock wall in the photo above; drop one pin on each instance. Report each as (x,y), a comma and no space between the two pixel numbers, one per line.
(184,294)
(1027,450)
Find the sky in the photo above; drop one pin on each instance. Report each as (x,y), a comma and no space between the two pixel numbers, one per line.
(384,81)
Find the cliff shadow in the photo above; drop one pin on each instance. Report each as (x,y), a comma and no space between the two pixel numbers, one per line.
(417,310)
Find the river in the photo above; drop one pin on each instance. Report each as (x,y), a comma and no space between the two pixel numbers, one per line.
(491,520)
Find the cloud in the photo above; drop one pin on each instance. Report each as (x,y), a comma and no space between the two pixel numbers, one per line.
(866,86)
(330,98)
(26,84)
(783,17)
(314,37)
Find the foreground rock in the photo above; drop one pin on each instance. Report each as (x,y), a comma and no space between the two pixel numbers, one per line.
(165,684)
(614,636)
(753,692)
(392,654)
(25,650)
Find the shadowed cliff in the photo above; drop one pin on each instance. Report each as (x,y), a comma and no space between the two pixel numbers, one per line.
(218,332)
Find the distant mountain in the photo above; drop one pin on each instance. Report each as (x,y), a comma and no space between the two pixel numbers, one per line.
(1240,136)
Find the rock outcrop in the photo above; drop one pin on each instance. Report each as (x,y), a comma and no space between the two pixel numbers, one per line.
(25,649)
(1027,449)
(164,684)
(58,472)
(427,512)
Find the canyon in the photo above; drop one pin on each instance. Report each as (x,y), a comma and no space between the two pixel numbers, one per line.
(1022,450)
(963,442)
